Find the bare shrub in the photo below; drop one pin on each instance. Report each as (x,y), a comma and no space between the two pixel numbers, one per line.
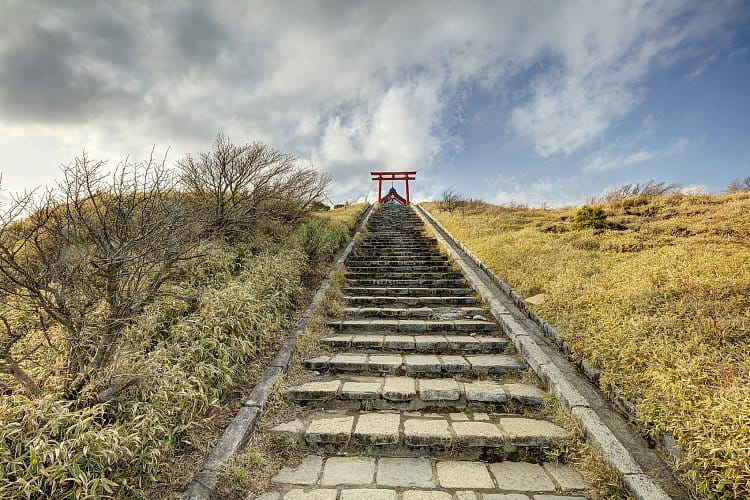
(739,185)
(450,199)
(235,185)
(78,262)
(629,195)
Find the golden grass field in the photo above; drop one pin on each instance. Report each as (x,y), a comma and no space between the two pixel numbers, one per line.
(661,305)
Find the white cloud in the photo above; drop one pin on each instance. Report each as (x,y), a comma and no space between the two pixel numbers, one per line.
(603,59)
(602,162)
(694,189)
(347,86)
(552,192)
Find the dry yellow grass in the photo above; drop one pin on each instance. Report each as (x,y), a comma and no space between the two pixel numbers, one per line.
(662,306)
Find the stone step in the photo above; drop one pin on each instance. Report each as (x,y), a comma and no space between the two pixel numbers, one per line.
(396,256)
(414,325)
(408,394)
(427,250)
(418,282)
(437,313)
(472,436)
(389,478)
(402,275)
(443,268)
(406,291)
(435,344)
(387,262)
(426,365)
(410,301)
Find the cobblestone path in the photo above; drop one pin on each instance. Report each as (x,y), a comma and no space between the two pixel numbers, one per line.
(421,396)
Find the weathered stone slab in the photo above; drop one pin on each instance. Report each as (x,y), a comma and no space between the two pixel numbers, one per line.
(439,390)
(426,495)
(293,429)
(338,341)
(368,494)
(415,363)
(361,390)
(521,476)
(412,325)
(524,393)
(405,472)
(478,434)
(319,363)
(494,364)
(485,392)
(367,341)
(464,475)
(531,432)
(399,342)
(377,428)
(470,325)
(349,362)
(307,472)
(383,363)
(427,432)
(563,497)
(399,389)
(329,430)
(315,390)
(316,494)
(348,470)
(430,342)
(464,343)
(455,364)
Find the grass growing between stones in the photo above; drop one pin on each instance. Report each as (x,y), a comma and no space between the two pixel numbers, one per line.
(196,351)
(251,471)
(659,301)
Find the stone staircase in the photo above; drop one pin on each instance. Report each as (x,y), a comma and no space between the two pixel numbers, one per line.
(421,395)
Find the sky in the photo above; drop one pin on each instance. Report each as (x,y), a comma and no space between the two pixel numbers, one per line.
(541,102)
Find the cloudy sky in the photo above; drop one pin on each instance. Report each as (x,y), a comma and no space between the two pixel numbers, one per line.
(523,101)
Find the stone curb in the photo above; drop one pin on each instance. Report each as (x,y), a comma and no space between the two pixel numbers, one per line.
(597,433)
(239,430)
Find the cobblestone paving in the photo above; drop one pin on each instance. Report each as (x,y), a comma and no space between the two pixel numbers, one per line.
(421,395)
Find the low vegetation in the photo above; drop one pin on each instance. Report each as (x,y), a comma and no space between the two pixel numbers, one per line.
(128,309)
(659,300)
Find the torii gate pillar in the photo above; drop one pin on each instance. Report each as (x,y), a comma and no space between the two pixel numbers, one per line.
(393,176)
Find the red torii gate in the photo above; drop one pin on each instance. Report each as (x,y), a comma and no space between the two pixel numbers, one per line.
(393,176)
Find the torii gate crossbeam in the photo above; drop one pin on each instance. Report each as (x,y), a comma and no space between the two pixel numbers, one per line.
(393,176)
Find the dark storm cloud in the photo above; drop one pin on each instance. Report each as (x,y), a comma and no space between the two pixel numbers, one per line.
(196,32)
(60,65)
(75,61)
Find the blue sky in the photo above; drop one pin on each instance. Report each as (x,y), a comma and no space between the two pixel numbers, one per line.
(528,102)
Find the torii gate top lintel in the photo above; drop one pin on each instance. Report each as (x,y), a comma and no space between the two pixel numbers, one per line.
(393,176)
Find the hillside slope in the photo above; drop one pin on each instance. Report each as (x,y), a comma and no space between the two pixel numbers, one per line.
(659,301)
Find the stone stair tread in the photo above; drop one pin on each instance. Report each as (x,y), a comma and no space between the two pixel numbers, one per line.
(424,342)
(408,291)
(417,393)
(464,434)
(433,313)
(411,301)
(423,364)
(430,478)
(414,325)
(418,399)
